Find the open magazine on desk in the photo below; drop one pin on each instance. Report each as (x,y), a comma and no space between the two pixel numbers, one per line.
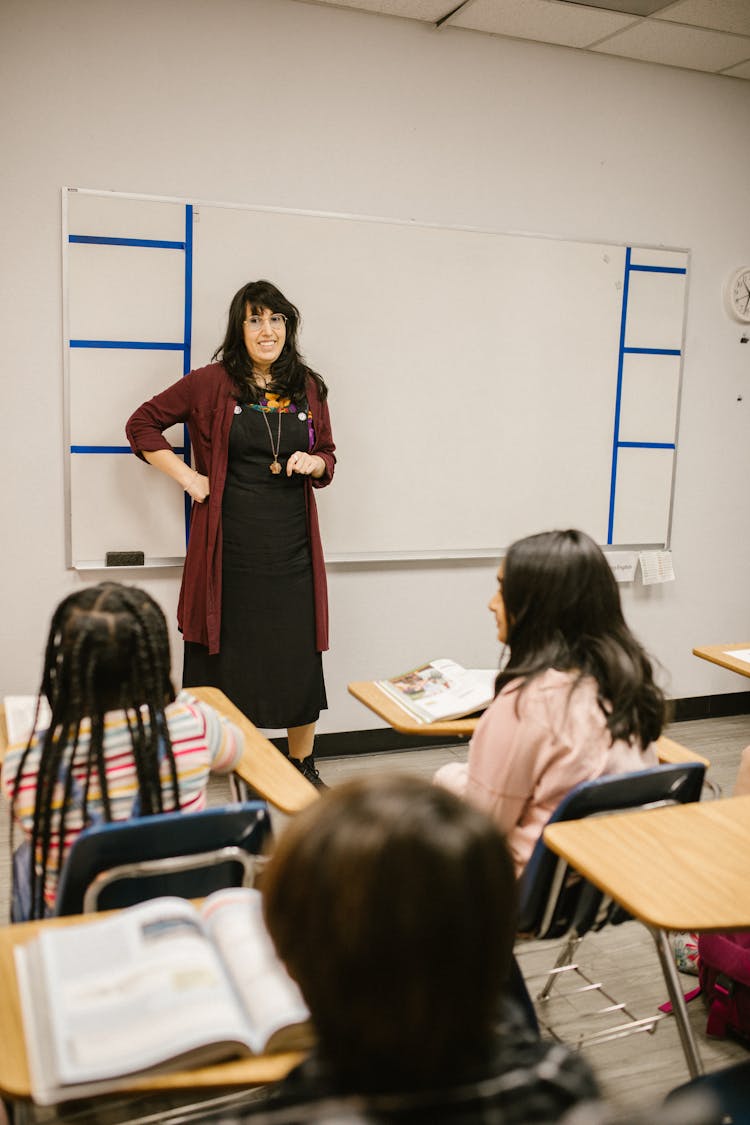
(441,690)
(164,985)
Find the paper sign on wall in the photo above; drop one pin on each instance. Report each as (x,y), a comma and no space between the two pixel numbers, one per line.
(623,564)
(656,566)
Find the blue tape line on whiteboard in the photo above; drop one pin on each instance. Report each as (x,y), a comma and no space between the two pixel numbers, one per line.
(105,240)
(100,449)
(659,269)
(646,444)
(141,345)
(652,351)
(618,398)
(110,449)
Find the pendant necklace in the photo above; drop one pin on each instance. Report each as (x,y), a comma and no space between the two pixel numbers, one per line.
(275,466)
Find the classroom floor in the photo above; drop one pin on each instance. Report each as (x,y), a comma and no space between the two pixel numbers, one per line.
(634,1072)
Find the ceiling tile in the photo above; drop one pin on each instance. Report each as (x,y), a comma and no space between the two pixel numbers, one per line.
(741,71)
(717,42)
(629,7)
(674,45)
(430,10)
(547,21)
(721,15)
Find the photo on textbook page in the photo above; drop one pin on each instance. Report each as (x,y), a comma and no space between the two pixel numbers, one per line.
(441,690)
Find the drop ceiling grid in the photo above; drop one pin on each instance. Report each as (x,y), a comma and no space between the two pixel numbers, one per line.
(677,45)
(720,15)
(705,35)
(545,21)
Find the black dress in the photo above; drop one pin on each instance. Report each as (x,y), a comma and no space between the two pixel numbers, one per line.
(267,663)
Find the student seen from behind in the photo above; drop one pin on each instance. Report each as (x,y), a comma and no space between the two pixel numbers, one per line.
(576,698)
(119,744)
(393,905)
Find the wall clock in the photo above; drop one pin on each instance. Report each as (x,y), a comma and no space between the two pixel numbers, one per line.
(737,295)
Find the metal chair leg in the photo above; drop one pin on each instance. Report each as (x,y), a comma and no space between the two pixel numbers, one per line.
(564,958)
(679,1008)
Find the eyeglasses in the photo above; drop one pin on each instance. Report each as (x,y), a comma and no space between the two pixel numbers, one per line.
(277,321)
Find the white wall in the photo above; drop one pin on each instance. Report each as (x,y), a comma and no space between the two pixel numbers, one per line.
(285,104)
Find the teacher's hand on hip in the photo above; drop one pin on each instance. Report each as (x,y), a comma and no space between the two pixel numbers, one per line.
(197,487)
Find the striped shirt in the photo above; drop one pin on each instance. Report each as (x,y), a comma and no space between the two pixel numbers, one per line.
(202,742)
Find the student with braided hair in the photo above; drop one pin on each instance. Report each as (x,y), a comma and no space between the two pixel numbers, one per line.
(118,743)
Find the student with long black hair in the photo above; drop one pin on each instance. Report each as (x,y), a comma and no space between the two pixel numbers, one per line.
(118,742)
(576,698)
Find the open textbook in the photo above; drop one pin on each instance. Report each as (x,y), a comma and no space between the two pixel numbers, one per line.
(441,689)
(160,986)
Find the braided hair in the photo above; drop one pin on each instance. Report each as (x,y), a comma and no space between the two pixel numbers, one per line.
(107,649)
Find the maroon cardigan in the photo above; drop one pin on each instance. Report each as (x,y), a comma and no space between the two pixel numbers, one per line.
(204,399)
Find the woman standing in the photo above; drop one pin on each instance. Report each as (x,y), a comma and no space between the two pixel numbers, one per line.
(253,606)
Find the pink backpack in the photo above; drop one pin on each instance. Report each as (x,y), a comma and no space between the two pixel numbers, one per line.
(724,972)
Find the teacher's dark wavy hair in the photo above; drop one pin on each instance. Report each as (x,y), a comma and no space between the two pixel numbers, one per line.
(108,648)
(289,372)
(563,611)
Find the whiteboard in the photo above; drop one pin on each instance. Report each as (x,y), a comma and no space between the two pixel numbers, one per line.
(483,385)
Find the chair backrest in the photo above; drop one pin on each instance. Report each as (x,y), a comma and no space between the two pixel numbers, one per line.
(113,865)
(554,898)
(724,1094)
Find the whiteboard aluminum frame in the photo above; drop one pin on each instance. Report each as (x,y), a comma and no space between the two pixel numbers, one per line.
(68,505)
(343,558)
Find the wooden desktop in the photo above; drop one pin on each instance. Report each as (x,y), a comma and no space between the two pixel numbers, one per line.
(722,655)
(678,868)
(368,692)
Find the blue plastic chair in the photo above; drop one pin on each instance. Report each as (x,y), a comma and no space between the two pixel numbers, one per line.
(114,865)
(558,903)
(725,1092)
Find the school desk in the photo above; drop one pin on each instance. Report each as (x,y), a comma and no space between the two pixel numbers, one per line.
(368,692)
(15,1081)
(262,768)
(683,867)
(722,655)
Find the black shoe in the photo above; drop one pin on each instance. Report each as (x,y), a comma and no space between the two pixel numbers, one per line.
(309,770)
